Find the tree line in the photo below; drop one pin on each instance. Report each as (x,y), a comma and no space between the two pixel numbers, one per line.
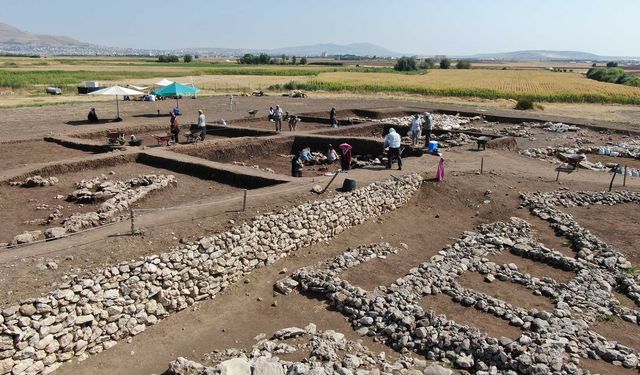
(408,64)
(264,58)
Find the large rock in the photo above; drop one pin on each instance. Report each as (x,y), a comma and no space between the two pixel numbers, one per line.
(235,366)
(263,366)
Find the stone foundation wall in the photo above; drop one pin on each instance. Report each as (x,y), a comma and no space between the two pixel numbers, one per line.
(90,314)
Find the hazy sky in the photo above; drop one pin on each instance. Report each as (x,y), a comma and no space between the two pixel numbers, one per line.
(454,27)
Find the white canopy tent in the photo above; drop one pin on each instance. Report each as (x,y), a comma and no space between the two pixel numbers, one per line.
(116,90)
(164,82)
(138,87)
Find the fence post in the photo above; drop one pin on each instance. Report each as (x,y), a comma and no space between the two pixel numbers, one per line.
(624,179)
(558,175)
(481,165)
(244,201)
(133,221)
(612,178)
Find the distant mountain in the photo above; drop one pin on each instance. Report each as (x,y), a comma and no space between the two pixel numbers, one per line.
(360,49)
(12,35)
(545,55)
(329,49)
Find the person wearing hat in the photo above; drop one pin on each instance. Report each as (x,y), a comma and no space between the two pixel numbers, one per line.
(416,129)
(202,124)
(174,126)
(428,127)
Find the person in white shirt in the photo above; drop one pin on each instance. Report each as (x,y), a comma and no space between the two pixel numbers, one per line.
(277,117)
(202,124)
(416,129)
(393,141)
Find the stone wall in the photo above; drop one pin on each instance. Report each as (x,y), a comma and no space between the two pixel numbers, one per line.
(90,314)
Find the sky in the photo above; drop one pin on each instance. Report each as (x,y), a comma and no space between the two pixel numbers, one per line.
(451,27)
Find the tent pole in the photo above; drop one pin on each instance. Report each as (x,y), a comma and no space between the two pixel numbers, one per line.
(177,103)
(117,106)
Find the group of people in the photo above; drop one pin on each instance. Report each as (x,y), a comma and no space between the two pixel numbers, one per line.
(174,125)
(277,115)
(417,128)
(305,156)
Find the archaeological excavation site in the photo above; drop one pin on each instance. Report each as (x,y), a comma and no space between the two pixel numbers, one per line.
(506,243)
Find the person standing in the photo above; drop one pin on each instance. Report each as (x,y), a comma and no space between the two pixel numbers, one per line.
(333,117)
(428,127)
(393,141)
(277,117)
(175,127)
(92,117)
(345,156)
(416,129)
(202,124)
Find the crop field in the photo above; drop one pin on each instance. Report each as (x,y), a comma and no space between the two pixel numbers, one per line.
(489,84)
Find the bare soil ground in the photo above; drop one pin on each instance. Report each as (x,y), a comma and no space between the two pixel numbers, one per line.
(616,225)
(17,204)
(20,154)
(512,293)
(487,323)
(535,269)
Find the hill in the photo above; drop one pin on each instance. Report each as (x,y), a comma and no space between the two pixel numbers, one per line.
(545,55)
(12,35)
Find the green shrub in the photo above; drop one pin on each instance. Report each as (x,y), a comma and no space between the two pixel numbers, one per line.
(463,64)
(428,64)
(445,63)
(405,64)
(525,104)
(187,58)
(612,64)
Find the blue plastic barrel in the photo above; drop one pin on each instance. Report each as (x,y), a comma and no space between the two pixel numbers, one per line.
(433,146)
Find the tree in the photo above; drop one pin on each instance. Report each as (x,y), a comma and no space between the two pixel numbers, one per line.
(445,63)
(283,58)
(463,64)
(294,60)
(428,64)
(612,64)
(187,58)
(303,60)
(405,64)
(168,59)
(594,65)
(196,57)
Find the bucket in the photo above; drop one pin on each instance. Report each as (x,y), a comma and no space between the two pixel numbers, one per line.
(433,146)
(348,185)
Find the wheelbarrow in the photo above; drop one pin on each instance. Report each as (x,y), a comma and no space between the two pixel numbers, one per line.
(163,138)
(115,138)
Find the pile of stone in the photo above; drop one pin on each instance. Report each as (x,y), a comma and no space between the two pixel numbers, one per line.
(455,139)
(255,166)
(440,121)
(121,195)
(118,196)
(327,352)
(35,181)
(90,314)
(551,341)
(558,127)
(549,154)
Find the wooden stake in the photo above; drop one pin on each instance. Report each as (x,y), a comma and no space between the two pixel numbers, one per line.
(133,222)
(244,200)
(481,165)
(613,178)
(624,179)
(558,175)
